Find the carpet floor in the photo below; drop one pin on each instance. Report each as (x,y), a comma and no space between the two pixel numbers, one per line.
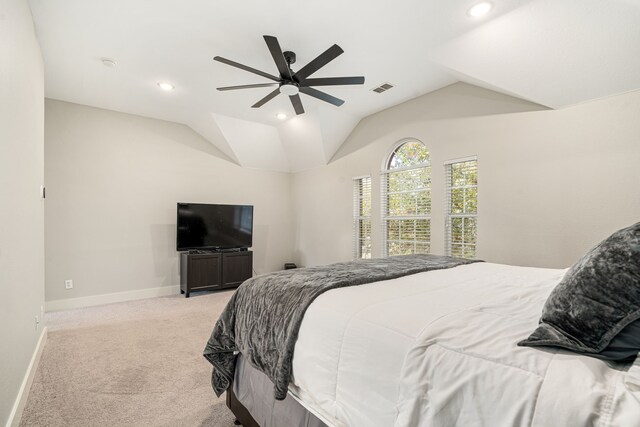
(137,363)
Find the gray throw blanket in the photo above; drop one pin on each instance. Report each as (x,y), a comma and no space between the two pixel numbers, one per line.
(263,317)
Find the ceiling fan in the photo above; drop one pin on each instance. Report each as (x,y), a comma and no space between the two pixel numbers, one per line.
(290,83)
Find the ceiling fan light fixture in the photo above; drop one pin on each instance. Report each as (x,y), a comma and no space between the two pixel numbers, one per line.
(289,89)
(480,9)
(281,116)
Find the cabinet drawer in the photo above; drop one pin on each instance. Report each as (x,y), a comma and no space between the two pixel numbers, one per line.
(236,268)
(204,272)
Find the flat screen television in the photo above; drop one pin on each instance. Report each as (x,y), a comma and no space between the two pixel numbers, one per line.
(204,226)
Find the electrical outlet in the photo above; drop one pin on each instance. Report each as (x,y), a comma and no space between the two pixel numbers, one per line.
(68,284)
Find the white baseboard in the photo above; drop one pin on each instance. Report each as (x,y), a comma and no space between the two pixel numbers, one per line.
(70,303)
(23,394)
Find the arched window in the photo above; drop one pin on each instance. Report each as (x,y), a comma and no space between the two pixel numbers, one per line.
(406,200)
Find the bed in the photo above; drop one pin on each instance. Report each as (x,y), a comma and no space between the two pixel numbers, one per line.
(437,348)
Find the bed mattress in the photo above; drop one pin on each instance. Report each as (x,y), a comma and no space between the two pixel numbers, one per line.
(439,349)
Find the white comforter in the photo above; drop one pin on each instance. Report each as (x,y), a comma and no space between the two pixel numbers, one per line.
(439,349)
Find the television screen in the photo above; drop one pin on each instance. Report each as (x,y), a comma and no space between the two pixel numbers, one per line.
(202,226)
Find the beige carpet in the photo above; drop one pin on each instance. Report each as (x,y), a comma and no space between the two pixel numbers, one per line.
(137,363)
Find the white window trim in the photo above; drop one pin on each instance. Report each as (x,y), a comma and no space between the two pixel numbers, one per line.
(461,160)
(357,247)
(448,215)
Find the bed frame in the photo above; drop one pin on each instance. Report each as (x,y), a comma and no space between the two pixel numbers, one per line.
(242,414)
(251,390)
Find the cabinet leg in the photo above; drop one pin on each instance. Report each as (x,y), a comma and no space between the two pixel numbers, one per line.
(236,422)
(186,295)
(181,291)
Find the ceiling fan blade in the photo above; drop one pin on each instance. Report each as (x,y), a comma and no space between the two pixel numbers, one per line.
(246,86)
(333,81)
(278,56)
(322,60)
(297,104)
(322,96)
(266,99)
(246,68)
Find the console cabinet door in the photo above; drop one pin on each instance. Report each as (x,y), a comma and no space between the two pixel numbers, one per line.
(204,271)
(236,268)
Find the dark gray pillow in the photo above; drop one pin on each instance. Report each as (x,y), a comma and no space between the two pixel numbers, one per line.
(596,298)
(625,346)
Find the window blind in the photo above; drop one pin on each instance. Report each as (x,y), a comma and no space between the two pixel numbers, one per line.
(362,217)
(406,210)
(461,216)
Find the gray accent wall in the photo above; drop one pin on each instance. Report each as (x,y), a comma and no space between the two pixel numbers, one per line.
(21,208)
(113,181)
(552,183)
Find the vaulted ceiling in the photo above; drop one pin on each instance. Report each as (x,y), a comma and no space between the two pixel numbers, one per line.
(552,52)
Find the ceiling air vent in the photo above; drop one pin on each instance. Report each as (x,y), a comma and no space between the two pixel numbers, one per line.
(382,88)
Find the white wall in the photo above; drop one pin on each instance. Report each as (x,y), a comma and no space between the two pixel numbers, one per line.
(552,183)
(21,209)
(113,181)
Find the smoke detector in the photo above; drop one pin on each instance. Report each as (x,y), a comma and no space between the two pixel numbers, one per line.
(108,62)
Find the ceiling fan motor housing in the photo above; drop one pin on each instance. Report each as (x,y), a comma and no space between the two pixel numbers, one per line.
(290,57)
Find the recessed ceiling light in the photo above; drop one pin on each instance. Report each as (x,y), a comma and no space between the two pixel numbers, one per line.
(165,86)
(281,116)
(108,62)
(480,9)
